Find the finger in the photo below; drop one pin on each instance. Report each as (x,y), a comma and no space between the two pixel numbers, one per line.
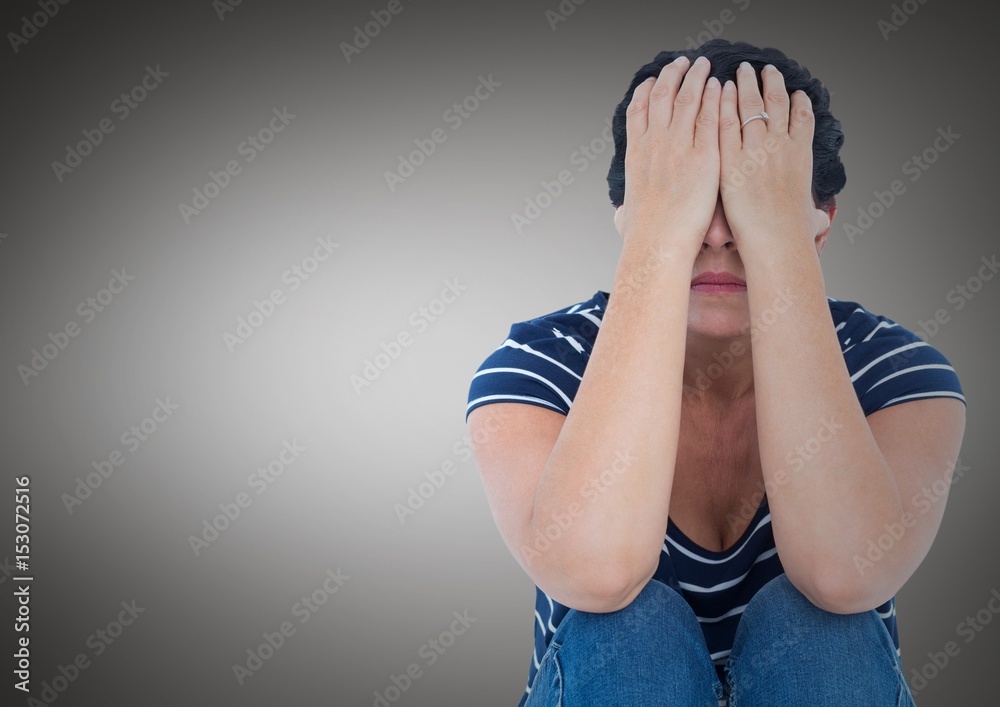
(750,102)
(803,122)
(661,96)
(687,102)
(636,120)
(730,135)
(706,131)
(775,99)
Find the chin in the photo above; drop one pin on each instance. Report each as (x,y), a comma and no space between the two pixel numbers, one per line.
(719,324)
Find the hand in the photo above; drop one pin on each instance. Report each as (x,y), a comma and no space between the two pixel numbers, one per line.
(672,159)
(766,181)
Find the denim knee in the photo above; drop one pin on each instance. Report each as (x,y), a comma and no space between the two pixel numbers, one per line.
(650,651)
(655,611)
(780,610)
(786,645)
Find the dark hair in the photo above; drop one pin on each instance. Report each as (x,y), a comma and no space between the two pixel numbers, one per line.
(725,57)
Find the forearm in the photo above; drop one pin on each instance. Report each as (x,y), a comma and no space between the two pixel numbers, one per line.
(829,488)
(610,472)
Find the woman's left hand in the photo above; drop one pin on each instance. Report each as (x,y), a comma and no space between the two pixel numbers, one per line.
(766,178)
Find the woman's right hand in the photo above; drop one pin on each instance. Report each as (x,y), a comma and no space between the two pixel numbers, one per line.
(672,157)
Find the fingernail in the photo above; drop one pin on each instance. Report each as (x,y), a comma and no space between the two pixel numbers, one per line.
(745,65)
(701,60)
(713,82)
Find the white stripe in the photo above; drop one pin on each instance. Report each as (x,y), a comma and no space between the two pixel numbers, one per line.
(716,619)
(910,370)
(524,347)
(839,326)
(733,582)
(530,374)
(879,326)
(730,554)
(539,617)
(932,394)
(913,345)
(511,397)
(534,657)
(586,313)
(720,654)
(574,308)
(569,339)
(552,610)
(887,614)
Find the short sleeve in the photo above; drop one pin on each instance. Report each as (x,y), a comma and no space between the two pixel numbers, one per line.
(537,364)
(889,364)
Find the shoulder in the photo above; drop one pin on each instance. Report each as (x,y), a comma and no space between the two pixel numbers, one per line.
(541,360)
(888,363)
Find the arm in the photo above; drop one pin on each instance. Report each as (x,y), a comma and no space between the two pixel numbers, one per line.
(857,478)
(605,485)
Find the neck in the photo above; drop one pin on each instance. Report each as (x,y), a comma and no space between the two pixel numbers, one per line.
(718,370)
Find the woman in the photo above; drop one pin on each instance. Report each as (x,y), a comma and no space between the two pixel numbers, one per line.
(719,495)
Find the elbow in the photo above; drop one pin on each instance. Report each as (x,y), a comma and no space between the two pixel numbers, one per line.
(608,589)
(839,593)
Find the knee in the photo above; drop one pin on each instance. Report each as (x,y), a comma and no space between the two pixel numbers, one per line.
(779,608)
(654,610)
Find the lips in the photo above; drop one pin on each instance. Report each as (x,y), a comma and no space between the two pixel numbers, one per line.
(717,278)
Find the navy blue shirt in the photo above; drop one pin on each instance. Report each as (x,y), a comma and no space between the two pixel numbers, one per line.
(542,361)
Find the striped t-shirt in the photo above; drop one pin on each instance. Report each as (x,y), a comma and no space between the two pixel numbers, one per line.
(542,361)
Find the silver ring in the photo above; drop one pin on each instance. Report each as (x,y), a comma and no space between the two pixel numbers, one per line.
(762,115)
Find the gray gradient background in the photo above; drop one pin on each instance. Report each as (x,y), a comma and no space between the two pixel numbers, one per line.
(324,175)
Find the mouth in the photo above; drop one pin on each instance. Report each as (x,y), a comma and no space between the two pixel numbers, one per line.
(717,282)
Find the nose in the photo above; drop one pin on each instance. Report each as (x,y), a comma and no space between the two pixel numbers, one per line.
(718,235)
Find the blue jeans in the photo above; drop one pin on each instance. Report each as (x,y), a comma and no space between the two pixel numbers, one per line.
(787,651)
